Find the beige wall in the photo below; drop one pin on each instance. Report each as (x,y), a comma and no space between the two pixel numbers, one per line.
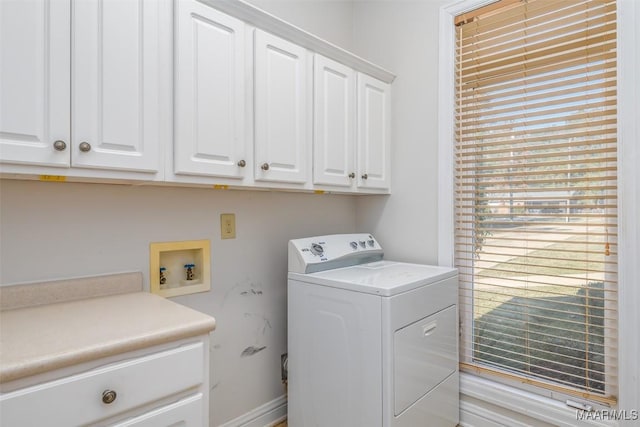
(331,20)
(59,230)
(402,36)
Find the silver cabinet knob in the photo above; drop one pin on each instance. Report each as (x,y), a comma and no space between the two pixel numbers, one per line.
(352,175)
(265,166)
(108,396)
(242,163)
(84,147)
(365,176)
(60,145)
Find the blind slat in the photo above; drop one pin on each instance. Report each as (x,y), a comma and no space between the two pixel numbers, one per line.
(527,98)
(570,141)
(530,281)
(525,14)
(585,252)
(541,105)
(517,167)
(533,47)
(529,33)
(562,68)
(552,60)
(565,323)
(568,178)
(505,286)
(546,172)
(583,77)
(524,116)
(532,366)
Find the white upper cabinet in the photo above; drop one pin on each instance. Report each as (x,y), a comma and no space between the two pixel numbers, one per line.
(209,93)
(282,107)
(186,91)
(116,113)
(81,84)
(34,82)
(374,133)
(334,123)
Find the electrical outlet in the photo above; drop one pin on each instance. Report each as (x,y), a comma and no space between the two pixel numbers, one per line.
(228,226)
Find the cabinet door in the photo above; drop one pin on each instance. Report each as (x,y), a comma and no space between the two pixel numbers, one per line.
(34,82)
(334,123)
(282,137)
(210,92)
(374,133)
(116,85)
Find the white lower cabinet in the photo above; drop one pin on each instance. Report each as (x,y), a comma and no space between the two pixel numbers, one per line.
(161,388)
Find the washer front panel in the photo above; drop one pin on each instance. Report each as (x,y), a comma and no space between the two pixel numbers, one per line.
(424,354)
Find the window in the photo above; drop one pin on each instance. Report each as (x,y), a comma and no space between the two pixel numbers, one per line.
(536,194)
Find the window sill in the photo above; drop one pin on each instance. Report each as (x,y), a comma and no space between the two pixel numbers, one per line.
(523,403)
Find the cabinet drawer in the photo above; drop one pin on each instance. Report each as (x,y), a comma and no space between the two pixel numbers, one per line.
(186,413)
(78,399)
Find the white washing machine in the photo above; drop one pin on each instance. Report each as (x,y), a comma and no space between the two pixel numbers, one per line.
(372,343)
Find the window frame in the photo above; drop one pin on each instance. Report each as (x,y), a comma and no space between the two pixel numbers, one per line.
(629,210)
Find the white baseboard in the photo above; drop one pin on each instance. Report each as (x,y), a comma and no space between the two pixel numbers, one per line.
(266,415)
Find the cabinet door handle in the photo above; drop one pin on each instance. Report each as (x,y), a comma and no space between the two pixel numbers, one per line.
(242,163)
(429,329)
(365,176)
(108,396)
(265,166)
(84,147)
(352,175)
(59,145)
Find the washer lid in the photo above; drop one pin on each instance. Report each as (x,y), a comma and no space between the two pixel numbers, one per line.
(384,278)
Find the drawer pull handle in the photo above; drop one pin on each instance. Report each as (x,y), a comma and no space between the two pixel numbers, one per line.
(108,396)
(429,329)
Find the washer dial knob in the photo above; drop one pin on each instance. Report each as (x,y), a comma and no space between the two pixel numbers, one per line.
(354,245)
(317,249)
(370,242)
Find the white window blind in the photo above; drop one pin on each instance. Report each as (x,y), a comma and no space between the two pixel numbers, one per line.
(535,194)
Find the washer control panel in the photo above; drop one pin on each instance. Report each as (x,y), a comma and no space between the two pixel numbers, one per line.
(337,250)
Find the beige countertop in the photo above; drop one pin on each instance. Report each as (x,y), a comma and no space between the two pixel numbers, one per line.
(41,338)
